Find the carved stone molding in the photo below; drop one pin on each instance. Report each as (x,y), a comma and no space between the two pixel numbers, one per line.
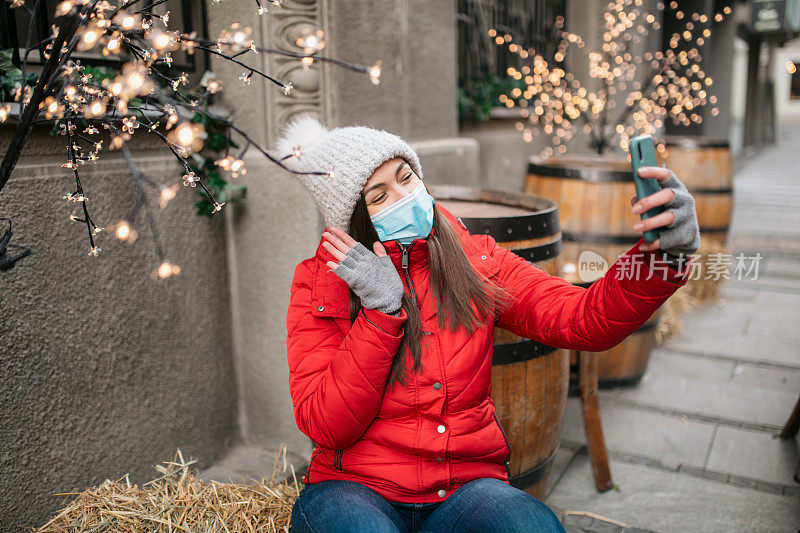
(309,86)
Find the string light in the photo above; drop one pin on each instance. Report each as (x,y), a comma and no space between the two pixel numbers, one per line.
(558,99)
(234,39)
(90,36)
(96,108)
(114,106)
(375,73)
(123,231)
(190,179)
(213,86)
(167,194)
(165,270)
(233,165)
(129,124)
(75,197)
(311,40)
(188,136)
(162,40)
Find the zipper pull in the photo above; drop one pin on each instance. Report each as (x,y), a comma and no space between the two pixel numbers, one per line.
(405,256)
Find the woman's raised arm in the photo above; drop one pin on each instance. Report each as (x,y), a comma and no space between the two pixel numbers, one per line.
(555,312)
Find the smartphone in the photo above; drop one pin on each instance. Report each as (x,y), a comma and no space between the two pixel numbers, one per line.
(643,154)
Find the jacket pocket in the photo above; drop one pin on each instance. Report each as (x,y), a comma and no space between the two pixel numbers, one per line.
(337,460)
(508,457)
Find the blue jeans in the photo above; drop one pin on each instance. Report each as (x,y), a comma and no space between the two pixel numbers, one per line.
(483,504)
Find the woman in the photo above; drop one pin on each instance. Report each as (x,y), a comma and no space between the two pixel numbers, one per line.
(389,338)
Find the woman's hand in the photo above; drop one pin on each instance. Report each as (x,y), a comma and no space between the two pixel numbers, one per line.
(372,276)
(679,232)
(338,243)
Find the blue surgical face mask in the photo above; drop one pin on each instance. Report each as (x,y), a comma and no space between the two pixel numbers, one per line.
(407,219)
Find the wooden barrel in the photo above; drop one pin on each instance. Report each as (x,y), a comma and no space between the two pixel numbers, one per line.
(530,380)
(705,166)
(593,196)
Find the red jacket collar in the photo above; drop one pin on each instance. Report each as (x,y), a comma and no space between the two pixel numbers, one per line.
(417,252)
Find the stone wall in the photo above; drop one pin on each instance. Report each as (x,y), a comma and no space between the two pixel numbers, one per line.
(104,370)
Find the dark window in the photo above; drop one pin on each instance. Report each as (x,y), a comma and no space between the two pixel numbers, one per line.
(530,23)
(185,16)
(493,37)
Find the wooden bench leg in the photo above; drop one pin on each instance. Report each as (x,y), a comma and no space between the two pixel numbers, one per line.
(598,455)
(789,431)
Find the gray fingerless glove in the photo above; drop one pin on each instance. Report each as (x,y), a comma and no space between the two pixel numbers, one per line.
(682,235)
(374,279)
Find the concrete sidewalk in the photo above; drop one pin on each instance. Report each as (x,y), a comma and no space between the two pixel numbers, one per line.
(692,446)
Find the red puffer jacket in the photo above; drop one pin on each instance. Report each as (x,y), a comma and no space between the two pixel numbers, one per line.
(419,443)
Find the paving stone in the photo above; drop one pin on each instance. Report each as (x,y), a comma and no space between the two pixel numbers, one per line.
(577,523)
(667,362)
(717,335)
(782,266)
(561,461)
(660,500)
(588,524)
(782,349)
(691,470)
(669,439)
(777,285)
(601,526)
(788,302)
(754,454)
(716,476)
(775,378)
(690,394)
(779,319)
(706,474)
(717,319)
(792,491)
(774,488)
(740,481)
(734,291)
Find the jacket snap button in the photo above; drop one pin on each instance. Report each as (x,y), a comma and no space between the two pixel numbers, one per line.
(321,308)
(440,429)
(442,493)
(483,257)
(437,385)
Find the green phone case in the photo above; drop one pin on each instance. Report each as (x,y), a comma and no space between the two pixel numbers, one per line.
(643,154)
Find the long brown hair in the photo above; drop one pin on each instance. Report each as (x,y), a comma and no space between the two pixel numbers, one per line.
(455,285)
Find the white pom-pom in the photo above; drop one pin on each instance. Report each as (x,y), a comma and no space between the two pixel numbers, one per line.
(301,133)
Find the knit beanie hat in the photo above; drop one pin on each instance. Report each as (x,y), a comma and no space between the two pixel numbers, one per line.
(352,154)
